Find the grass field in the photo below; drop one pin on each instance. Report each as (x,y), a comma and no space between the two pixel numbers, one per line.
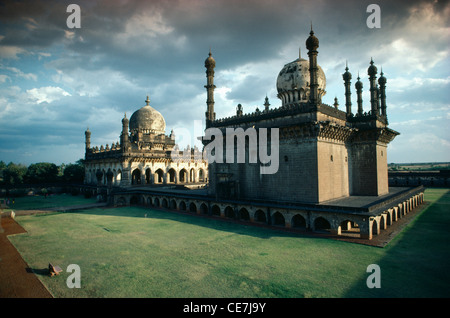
(141,252)
(51,201)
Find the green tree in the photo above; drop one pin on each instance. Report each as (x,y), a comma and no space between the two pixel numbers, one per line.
(2,167)
(74,172)
(14,174)
(41,172)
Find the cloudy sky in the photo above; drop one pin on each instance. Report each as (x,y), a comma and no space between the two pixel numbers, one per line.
(56,81)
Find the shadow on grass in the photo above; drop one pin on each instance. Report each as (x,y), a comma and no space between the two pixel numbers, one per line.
(416,262)
(241,227)
(38,271)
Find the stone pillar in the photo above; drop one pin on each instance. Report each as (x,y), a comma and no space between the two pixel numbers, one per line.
(365,229)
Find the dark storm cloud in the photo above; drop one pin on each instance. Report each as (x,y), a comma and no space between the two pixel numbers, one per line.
(128,49)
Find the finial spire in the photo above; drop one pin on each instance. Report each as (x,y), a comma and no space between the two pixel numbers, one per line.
(147,101)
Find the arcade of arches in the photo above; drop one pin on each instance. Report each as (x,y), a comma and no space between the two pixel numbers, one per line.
(360,225)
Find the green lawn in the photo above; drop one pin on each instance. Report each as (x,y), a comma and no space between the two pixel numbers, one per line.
(140,252)
(51,201)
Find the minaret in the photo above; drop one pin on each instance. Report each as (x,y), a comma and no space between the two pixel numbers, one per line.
(382,81)
(347,76)
(210,64)
(266,104)
(359,86)
(372,72)
(124,140)
(312,43)
(87,133)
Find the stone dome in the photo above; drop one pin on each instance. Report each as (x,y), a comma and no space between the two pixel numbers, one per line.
(293,82)
(147,120)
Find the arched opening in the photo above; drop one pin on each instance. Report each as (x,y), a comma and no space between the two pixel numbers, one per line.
(383,222)
(134,200)
(215,210)
(136,177)
(229,212)
(183,176)
(321,224)
(349,228)
(118,177)
(171,176)
(244,215)
(260,216)
(182,206)
(278,219)
(148,174)
(298,221)
(149,201)
(192,175)
(192,207)
(173,204)
(203,209)
(157,202)
(201,175)
(164,203)
(121,201)
(159,176)
(375,227)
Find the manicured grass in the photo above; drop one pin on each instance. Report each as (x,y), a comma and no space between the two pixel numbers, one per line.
(140,252)
(51,201)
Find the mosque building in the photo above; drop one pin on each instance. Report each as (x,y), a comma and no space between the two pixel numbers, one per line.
(144,156)
(331,172)
(324,153)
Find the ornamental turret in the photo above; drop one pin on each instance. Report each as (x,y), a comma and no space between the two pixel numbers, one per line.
(347,76)
(372,72)
(124,139)
(312,44)
(382,81)
(359,87)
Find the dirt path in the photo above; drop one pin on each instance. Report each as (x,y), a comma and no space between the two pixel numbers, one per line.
(16,278)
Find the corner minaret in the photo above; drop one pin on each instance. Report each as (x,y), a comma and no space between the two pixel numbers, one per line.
(124,140)
(210,64)
(347,76)
(87,134)
(266,104)
(312,44)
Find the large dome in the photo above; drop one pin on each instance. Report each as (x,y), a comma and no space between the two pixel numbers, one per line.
(293,82)
(148,120)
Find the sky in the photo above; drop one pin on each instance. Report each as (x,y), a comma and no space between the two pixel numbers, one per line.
(56,81)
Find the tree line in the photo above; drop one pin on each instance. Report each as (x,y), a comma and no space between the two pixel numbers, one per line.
(13,174)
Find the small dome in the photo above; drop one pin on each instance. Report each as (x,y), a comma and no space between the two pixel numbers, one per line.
(293,81)
(358,84)
(210,61)
(347,75)
(372,70)
(312,43)
(382,79)
(147,119)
